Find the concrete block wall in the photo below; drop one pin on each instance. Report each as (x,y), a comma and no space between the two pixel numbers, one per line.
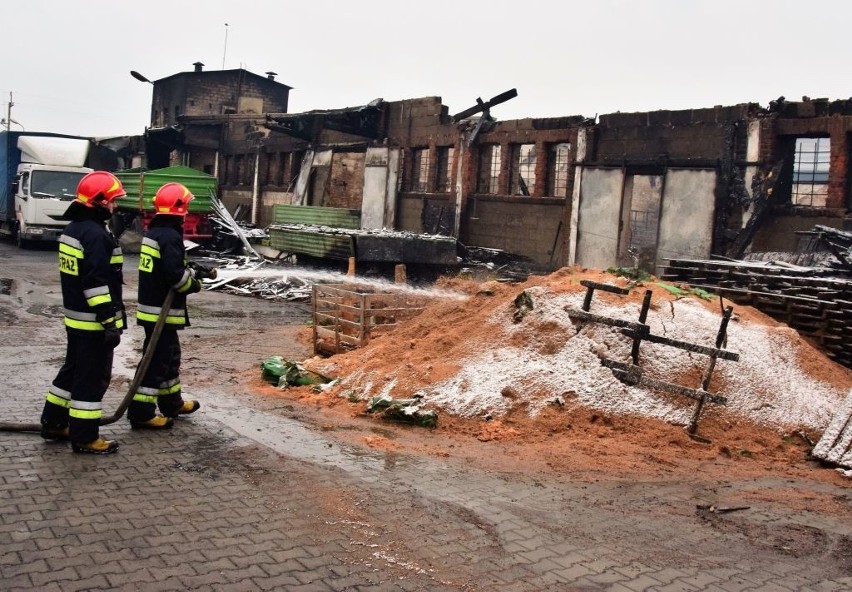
(409,214)
(426,214)
(418,122)
(693,135)
(522,228)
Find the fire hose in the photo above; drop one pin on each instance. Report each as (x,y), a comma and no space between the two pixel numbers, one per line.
(141,369)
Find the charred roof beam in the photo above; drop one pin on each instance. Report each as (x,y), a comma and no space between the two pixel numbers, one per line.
(303,127)
(362,122)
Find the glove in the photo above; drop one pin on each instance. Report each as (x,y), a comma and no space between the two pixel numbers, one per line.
(202,272)
(194,287)
(112,337)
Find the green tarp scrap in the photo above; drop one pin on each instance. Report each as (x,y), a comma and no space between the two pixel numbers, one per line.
(283,373)
(407,410)
(680,292)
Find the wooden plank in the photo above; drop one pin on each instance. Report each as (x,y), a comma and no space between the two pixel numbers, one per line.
(343,337)
(684,345)
(634,375)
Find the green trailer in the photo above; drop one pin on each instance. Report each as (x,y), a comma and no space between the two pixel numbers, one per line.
(137,208)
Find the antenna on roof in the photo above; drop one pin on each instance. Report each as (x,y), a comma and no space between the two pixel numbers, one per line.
(225,51)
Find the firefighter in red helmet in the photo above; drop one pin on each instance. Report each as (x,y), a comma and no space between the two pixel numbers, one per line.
(163,266)
(90,262)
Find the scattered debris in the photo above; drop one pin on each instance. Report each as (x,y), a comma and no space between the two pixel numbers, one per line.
(501,266)
(523,304)
(839,244)
(407,410)
(719,510)
(283,373)
(228,226)
(835,446)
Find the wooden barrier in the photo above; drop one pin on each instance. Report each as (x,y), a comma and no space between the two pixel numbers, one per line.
(346,317)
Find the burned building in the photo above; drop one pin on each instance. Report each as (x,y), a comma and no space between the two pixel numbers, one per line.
(624,189)
(205,93)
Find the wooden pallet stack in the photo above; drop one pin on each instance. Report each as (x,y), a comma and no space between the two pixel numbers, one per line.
(819,307)
(346,317)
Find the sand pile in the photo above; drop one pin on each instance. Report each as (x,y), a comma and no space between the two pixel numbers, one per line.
(473,358)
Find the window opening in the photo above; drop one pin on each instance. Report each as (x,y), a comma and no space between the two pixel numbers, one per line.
(295,168)
(810,172)
(523,179)
(420,169)
(280,167)
(446,161)
(227,170)
(489,171)
(557,169)
(239,169)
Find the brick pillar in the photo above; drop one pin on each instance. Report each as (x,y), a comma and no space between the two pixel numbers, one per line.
(465,185)
(503,181)
(432,177)
(541,157)
(838,163)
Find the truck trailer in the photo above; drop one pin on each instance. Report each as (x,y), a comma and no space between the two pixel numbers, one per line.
(136,209)
(39,172)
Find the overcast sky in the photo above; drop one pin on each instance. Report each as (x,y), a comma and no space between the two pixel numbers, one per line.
(67,62)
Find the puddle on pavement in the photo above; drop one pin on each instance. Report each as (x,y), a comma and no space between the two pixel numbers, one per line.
(6,286)
(291,438)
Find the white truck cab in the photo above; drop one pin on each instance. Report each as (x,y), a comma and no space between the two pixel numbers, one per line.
(45,183)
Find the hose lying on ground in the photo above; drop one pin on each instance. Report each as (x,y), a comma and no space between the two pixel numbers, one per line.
(141,369)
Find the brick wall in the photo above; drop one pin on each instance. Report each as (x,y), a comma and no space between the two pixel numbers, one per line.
(837,127)
(693,135)
(209,93)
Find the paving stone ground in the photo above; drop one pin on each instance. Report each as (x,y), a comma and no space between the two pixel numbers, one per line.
(239,498)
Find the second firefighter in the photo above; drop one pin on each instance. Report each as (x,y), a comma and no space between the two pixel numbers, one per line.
(163,267)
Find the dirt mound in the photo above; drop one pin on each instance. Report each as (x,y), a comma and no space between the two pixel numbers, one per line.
(532,380)
(485,357)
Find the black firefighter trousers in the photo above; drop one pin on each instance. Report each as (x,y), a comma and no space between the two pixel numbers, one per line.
(160,387)
(74,398)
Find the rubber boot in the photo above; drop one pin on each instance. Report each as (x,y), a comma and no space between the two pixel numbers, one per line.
(99,446)
(158,422)
(54,433)
(188,407)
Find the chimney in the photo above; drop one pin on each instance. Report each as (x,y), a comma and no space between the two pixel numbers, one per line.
(271,75)
(198,66)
